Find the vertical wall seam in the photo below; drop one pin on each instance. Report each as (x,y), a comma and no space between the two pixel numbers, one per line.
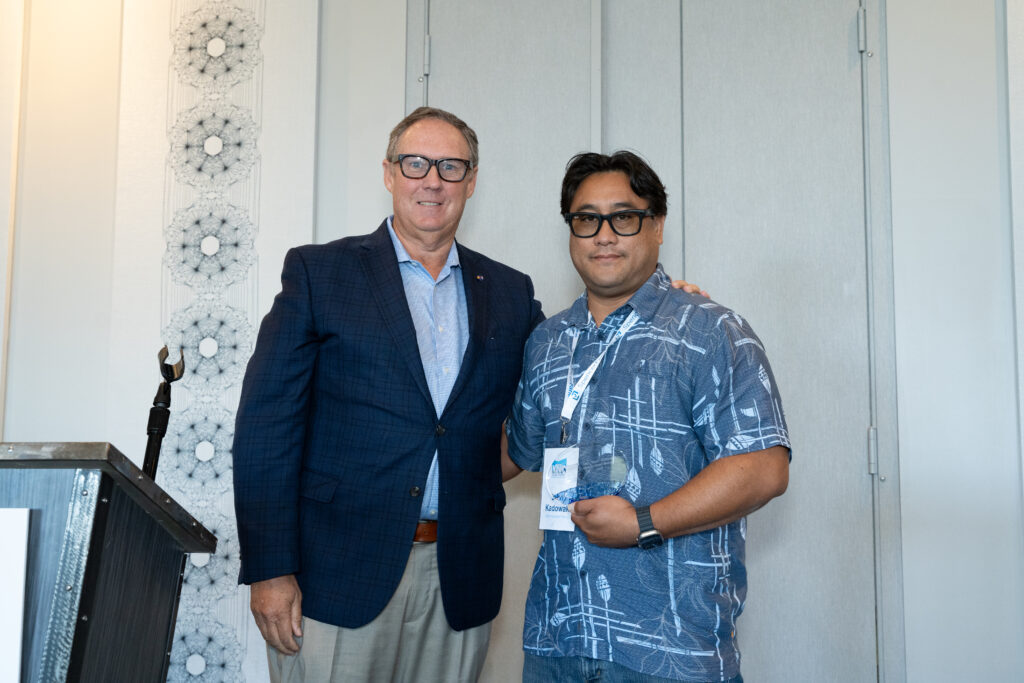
(1010,125)
(889,591)
(869,276)
(596,77)
(15,161)
(112,246)
(682,146)
(426,43)
(316,124)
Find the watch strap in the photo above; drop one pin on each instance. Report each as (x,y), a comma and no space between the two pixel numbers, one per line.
(643,517)
(649,537)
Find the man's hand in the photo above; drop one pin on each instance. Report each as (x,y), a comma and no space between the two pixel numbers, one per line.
(608,521)
(687,287)
(277,606)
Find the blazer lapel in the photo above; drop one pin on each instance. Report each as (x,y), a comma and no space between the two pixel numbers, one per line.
(475,284)
(381,268)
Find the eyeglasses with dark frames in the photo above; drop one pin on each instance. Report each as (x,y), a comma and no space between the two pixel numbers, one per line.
(623,223)
(415,167)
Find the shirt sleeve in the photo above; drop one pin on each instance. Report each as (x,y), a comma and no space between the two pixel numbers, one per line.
(270,430)
(525,426)
(736,403)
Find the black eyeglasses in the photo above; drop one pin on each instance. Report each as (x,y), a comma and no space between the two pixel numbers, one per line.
(623,223)
(415,167)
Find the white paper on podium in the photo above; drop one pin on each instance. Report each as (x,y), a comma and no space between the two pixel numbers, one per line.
(14,545)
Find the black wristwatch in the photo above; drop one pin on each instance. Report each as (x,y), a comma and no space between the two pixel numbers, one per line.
(649,536)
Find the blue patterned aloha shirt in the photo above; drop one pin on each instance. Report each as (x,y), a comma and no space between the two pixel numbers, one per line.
(688,384)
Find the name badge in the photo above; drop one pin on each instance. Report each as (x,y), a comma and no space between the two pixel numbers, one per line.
(560,467)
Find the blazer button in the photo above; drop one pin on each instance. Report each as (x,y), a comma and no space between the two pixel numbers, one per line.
(414,491)
(439,430)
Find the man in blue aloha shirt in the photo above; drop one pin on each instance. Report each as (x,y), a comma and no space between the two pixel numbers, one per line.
(655,418)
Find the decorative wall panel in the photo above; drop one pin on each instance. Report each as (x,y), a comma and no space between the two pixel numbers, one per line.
(209,245)
(211,204)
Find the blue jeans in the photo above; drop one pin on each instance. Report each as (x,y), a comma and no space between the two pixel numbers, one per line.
(586,670)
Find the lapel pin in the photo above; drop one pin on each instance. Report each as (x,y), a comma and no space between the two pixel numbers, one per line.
(480,277)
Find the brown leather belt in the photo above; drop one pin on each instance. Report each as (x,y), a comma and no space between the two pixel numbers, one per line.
(426,532)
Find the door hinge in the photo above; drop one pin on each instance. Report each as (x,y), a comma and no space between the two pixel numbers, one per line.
(426,55)
(872,451)
(862,29)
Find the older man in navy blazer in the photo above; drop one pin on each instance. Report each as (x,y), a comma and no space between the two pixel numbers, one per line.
(368,484)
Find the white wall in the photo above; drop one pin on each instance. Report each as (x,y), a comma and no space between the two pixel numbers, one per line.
(60,314)
(362,52)
(955,344)
(138,244)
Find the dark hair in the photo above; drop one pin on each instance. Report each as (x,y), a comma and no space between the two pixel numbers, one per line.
(642,178)
(422,113)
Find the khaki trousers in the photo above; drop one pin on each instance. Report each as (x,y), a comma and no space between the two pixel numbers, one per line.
(410,641)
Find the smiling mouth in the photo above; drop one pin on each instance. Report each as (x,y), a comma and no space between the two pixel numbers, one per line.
(429,203)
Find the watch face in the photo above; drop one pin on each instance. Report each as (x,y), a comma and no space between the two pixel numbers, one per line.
(649,539)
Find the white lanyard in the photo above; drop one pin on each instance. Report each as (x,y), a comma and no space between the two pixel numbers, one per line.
(574,392)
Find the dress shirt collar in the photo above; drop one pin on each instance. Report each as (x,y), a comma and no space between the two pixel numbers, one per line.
(403,255)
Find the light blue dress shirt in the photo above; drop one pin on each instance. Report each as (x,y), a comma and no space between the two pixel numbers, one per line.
(439,314)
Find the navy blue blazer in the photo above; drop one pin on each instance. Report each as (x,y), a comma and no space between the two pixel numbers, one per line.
(336,431)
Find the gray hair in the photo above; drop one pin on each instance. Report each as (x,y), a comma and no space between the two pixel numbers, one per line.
(433,113)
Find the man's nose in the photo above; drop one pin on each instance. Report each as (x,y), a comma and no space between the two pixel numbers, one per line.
(433,177)
(605,234)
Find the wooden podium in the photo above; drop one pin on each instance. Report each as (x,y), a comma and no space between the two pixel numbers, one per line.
(106,556)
